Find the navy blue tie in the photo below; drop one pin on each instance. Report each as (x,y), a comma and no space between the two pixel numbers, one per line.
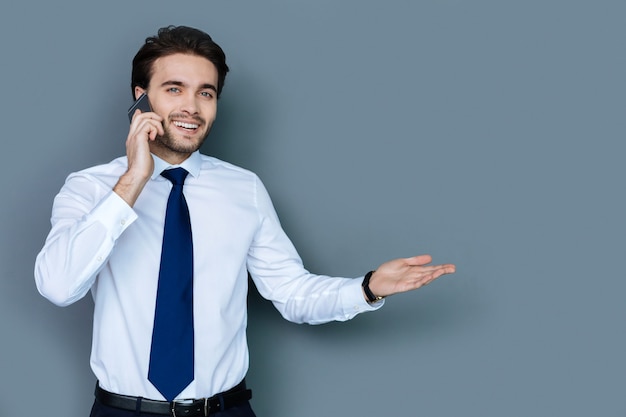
(171,355)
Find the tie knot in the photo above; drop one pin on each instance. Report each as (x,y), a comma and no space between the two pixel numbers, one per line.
(176,175)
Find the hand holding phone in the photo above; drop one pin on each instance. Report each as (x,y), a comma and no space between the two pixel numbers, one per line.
(142,103)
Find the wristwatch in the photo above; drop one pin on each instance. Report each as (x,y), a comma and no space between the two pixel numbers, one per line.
(366,288)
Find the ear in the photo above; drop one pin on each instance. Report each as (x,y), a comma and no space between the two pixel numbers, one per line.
(138,91)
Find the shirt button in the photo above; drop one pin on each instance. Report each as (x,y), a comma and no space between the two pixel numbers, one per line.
(99,259)
(123,222)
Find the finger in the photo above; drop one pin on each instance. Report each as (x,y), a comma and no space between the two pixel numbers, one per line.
(427,269)
(148,127)
(425,280)
(158,130)
(428,273)
(419,260)
(139,118)
(449,268)
(137,111)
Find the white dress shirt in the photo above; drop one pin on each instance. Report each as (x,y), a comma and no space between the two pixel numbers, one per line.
(99,243)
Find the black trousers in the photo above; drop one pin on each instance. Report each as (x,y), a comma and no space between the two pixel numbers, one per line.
(100,410)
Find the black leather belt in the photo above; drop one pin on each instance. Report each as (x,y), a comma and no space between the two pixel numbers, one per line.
(177,408)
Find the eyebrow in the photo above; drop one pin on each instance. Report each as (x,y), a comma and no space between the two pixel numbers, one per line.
(182,84)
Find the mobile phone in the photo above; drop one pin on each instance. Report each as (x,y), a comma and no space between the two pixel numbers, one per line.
(142,103)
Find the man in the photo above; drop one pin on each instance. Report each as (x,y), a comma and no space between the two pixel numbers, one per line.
(112,232)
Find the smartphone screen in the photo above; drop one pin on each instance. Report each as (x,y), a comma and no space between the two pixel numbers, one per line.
(142,103)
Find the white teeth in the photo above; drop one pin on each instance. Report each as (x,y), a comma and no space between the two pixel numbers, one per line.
(186,125)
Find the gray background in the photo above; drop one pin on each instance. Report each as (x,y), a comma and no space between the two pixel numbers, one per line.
(486,133)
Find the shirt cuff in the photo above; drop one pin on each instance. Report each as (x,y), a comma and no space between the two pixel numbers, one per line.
(114,213)
(355,300)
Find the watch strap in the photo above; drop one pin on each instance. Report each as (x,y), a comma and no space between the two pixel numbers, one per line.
(366,289)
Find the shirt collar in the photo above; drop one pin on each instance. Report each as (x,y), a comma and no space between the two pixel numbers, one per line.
(191,164)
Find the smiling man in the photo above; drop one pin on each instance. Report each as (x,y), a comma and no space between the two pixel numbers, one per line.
(165,237)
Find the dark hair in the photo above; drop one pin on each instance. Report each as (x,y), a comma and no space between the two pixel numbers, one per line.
(173,40)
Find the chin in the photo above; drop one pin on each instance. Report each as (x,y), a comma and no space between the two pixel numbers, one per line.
(180,145)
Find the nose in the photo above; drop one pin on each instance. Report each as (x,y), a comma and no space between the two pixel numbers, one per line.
(190,104)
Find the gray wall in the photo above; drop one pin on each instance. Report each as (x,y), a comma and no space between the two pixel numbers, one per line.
(486,133)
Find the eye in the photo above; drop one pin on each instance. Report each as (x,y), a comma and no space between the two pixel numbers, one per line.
(208,94)
(174,90)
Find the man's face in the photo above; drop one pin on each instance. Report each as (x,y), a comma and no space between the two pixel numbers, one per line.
(182,90)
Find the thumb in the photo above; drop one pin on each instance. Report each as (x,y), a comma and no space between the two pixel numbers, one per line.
(419,260)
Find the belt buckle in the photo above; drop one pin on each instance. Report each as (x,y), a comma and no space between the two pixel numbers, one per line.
(205,408)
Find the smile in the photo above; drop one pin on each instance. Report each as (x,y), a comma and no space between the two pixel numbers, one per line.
(186,125)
